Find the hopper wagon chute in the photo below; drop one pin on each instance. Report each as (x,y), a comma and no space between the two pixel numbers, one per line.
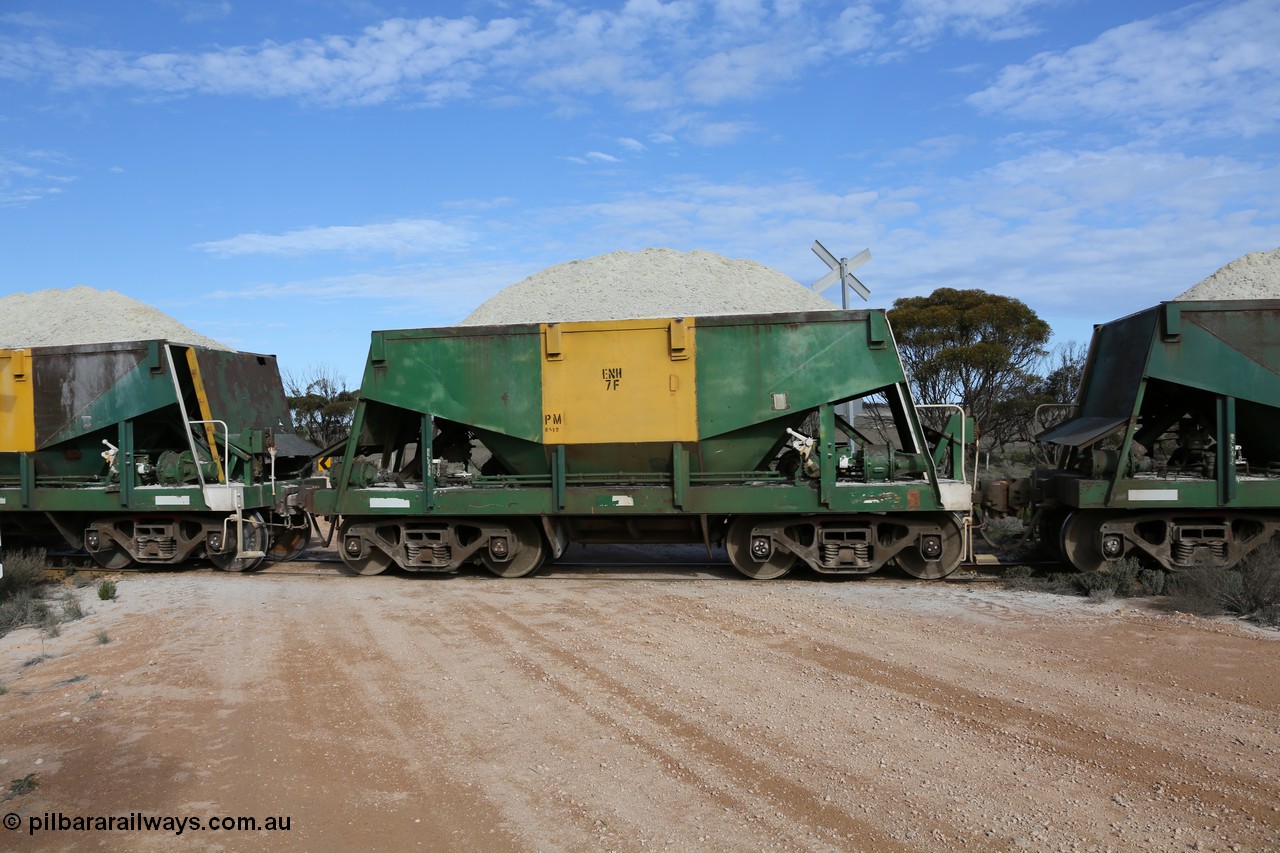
(502,444)
(150,452)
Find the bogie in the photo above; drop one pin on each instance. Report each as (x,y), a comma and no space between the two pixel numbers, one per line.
(927,546)
(512,547)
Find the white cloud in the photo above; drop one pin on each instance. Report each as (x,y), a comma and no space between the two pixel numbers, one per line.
(744,70)
(28,176)
(199,11)
(700,129)
(402,237)
(855,30)
(645,55)
(412,295)
(923,21)
(1081,235)
(1208,69)
(601,157)
(430,60)
(740,14)
(633,145)
(1088,234)
(28,19)
(711,134)
(473,204)
(934,148)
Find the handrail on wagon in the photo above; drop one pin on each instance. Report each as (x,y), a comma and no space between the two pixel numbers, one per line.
(226,446)
(964,438)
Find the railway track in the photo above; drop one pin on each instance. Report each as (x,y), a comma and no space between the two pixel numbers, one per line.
(65,565)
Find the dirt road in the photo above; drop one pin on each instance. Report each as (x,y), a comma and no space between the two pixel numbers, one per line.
(640,713)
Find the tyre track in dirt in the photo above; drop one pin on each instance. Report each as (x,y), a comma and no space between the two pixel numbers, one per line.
(699,758)
(1132,771)
(395,713)
(843,731)
(355,702)
(607,738)
(1053,745)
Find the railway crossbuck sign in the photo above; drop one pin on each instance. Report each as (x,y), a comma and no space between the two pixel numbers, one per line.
(842,271)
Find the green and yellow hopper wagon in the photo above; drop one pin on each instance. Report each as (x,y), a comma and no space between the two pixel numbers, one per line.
(150,452)
(502,444)
(1173,452)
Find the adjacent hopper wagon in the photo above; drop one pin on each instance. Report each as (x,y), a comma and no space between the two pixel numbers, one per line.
(150,452)
(503,444)
(1172,454)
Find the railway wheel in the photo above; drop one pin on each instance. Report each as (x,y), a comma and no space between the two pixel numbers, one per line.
(289,541)
(529,551)
(1084,544)
(254,536)
(739,545)
(113,558)
(375,562)
(1047,525)
(950,551)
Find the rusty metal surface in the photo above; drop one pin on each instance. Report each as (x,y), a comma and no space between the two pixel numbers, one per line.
(82,389)
(244,389)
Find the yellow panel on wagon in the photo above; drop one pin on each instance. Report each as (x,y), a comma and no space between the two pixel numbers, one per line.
(17,407)
(619,381)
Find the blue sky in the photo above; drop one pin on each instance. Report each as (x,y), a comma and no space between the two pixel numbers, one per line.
(287,176)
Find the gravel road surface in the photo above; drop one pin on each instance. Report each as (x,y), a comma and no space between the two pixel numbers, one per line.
(641,711)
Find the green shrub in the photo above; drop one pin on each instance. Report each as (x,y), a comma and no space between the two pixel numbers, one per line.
(1004,533)
(1087,582)
(1101,594)
(1250,589)
(1152,581)
(103,637)
(1195,592)
(72,610)
(22,608)
(1062,583)
(18,787)
(1020,578)
(1256,593)
(1117,577)
(24,571)
(21,602)
(107,590)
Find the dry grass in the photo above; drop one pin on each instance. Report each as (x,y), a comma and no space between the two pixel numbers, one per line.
(21,592)
(1250,590)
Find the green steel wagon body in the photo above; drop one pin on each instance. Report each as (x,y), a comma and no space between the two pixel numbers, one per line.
(502,444)
(150,452)
(1173,451)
